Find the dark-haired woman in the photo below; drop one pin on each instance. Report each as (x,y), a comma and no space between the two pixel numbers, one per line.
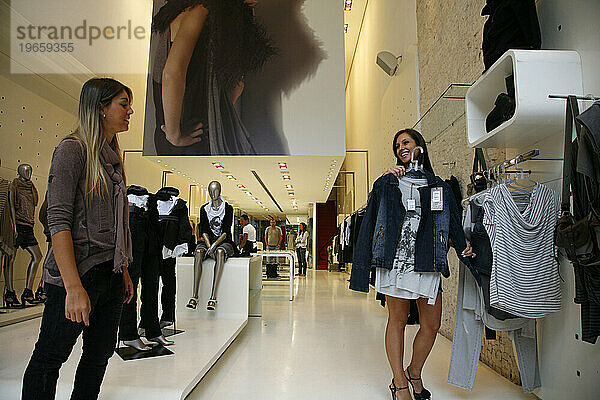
(300,246)
(85,271)
(407,245)
(201,51)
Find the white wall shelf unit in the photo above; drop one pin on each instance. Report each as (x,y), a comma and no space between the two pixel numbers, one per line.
(537,73)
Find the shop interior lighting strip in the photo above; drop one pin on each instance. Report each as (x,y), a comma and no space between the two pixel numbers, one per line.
(266,190)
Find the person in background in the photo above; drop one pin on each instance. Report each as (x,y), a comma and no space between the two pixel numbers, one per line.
(85,272)
(273,239)
(300,247)
(248,236)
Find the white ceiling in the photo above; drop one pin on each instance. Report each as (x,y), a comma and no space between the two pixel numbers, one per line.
(311,177)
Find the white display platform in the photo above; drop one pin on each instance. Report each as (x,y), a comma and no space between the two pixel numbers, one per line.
(537,74)
(207,335)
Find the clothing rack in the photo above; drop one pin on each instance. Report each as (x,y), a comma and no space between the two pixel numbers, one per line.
(523,157)
(562,96)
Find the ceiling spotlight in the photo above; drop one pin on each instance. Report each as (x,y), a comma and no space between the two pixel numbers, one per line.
(231,177)
(217,165)
(347,5)
(241,187)
(289,187)
(287,178)
(248,193)
(291,194)
(345,28)
(157,161)
(282,165)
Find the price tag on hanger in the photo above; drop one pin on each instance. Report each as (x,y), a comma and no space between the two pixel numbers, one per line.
(437,199)
(411,204)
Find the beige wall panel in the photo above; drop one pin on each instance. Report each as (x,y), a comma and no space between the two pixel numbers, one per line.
(30,128)
(378,105)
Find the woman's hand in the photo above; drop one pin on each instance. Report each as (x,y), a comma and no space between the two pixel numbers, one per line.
(77,305)
(397,170)
(128,284)
(468,252)
(177,139)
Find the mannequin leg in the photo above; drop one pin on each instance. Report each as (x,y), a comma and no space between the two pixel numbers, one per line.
(198,258)
(36,257)
(7,266)
(219,264)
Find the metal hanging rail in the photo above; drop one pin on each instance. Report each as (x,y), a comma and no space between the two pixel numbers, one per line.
(521,158)
(562,96)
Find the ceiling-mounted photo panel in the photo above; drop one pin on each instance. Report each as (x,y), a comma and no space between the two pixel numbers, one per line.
(245,77)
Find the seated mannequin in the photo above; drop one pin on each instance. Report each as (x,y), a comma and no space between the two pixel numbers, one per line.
(216,218)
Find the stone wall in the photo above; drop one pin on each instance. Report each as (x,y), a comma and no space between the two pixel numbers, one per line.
(449,50)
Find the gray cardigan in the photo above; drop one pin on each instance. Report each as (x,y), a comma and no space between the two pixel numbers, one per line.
(92,226)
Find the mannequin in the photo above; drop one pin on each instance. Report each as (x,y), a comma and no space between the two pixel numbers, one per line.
(8,240)
(216,218)
(26,199)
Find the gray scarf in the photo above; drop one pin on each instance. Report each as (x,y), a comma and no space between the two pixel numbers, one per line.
(112,164)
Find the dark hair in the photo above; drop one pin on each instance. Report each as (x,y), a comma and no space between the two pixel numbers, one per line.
(304,227)
(420,140)
(237,44)
(245,217)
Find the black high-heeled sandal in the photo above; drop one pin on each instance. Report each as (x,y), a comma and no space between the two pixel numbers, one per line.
(423,394)
(394,389)
(27,297)
(11,300)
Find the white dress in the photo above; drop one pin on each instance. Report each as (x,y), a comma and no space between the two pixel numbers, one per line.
(402,281)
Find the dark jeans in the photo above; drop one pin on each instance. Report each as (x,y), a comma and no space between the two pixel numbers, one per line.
(301,253)
(58,336)
(128,324)
(167,297)
(144,265)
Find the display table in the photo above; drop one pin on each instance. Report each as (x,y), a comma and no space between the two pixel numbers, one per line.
(207,334)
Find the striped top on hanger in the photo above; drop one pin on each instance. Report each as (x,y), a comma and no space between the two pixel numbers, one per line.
(525,279)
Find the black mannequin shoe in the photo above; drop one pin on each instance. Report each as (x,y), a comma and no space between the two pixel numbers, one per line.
(11,300)
(40,295)
(27,297)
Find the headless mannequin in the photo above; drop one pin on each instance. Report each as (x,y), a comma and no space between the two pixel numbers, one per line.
(211,250)
(7,258)
(24,172)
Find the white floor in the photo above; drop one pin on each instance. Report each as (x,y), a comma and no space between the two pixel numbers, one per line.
(327,344)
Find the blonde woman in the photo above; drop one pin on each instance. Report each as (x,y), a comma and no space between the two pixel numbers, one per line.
(86,270)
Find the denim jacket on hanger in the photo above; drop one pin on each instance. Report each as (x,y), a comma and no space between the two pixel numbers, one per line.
(379,232)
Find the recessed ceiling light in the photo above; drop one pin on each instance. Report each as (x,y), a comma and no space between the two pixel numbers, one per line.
(347,5)
(241,187)
(289,186)
(287,178)
(346,27)
(172,169)
(291,194)
(217,165)
(231,177)
(282,165)
(157,161)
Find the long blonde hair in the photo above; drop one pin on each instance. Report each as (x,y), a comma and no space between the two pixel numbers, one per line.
(96,92)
